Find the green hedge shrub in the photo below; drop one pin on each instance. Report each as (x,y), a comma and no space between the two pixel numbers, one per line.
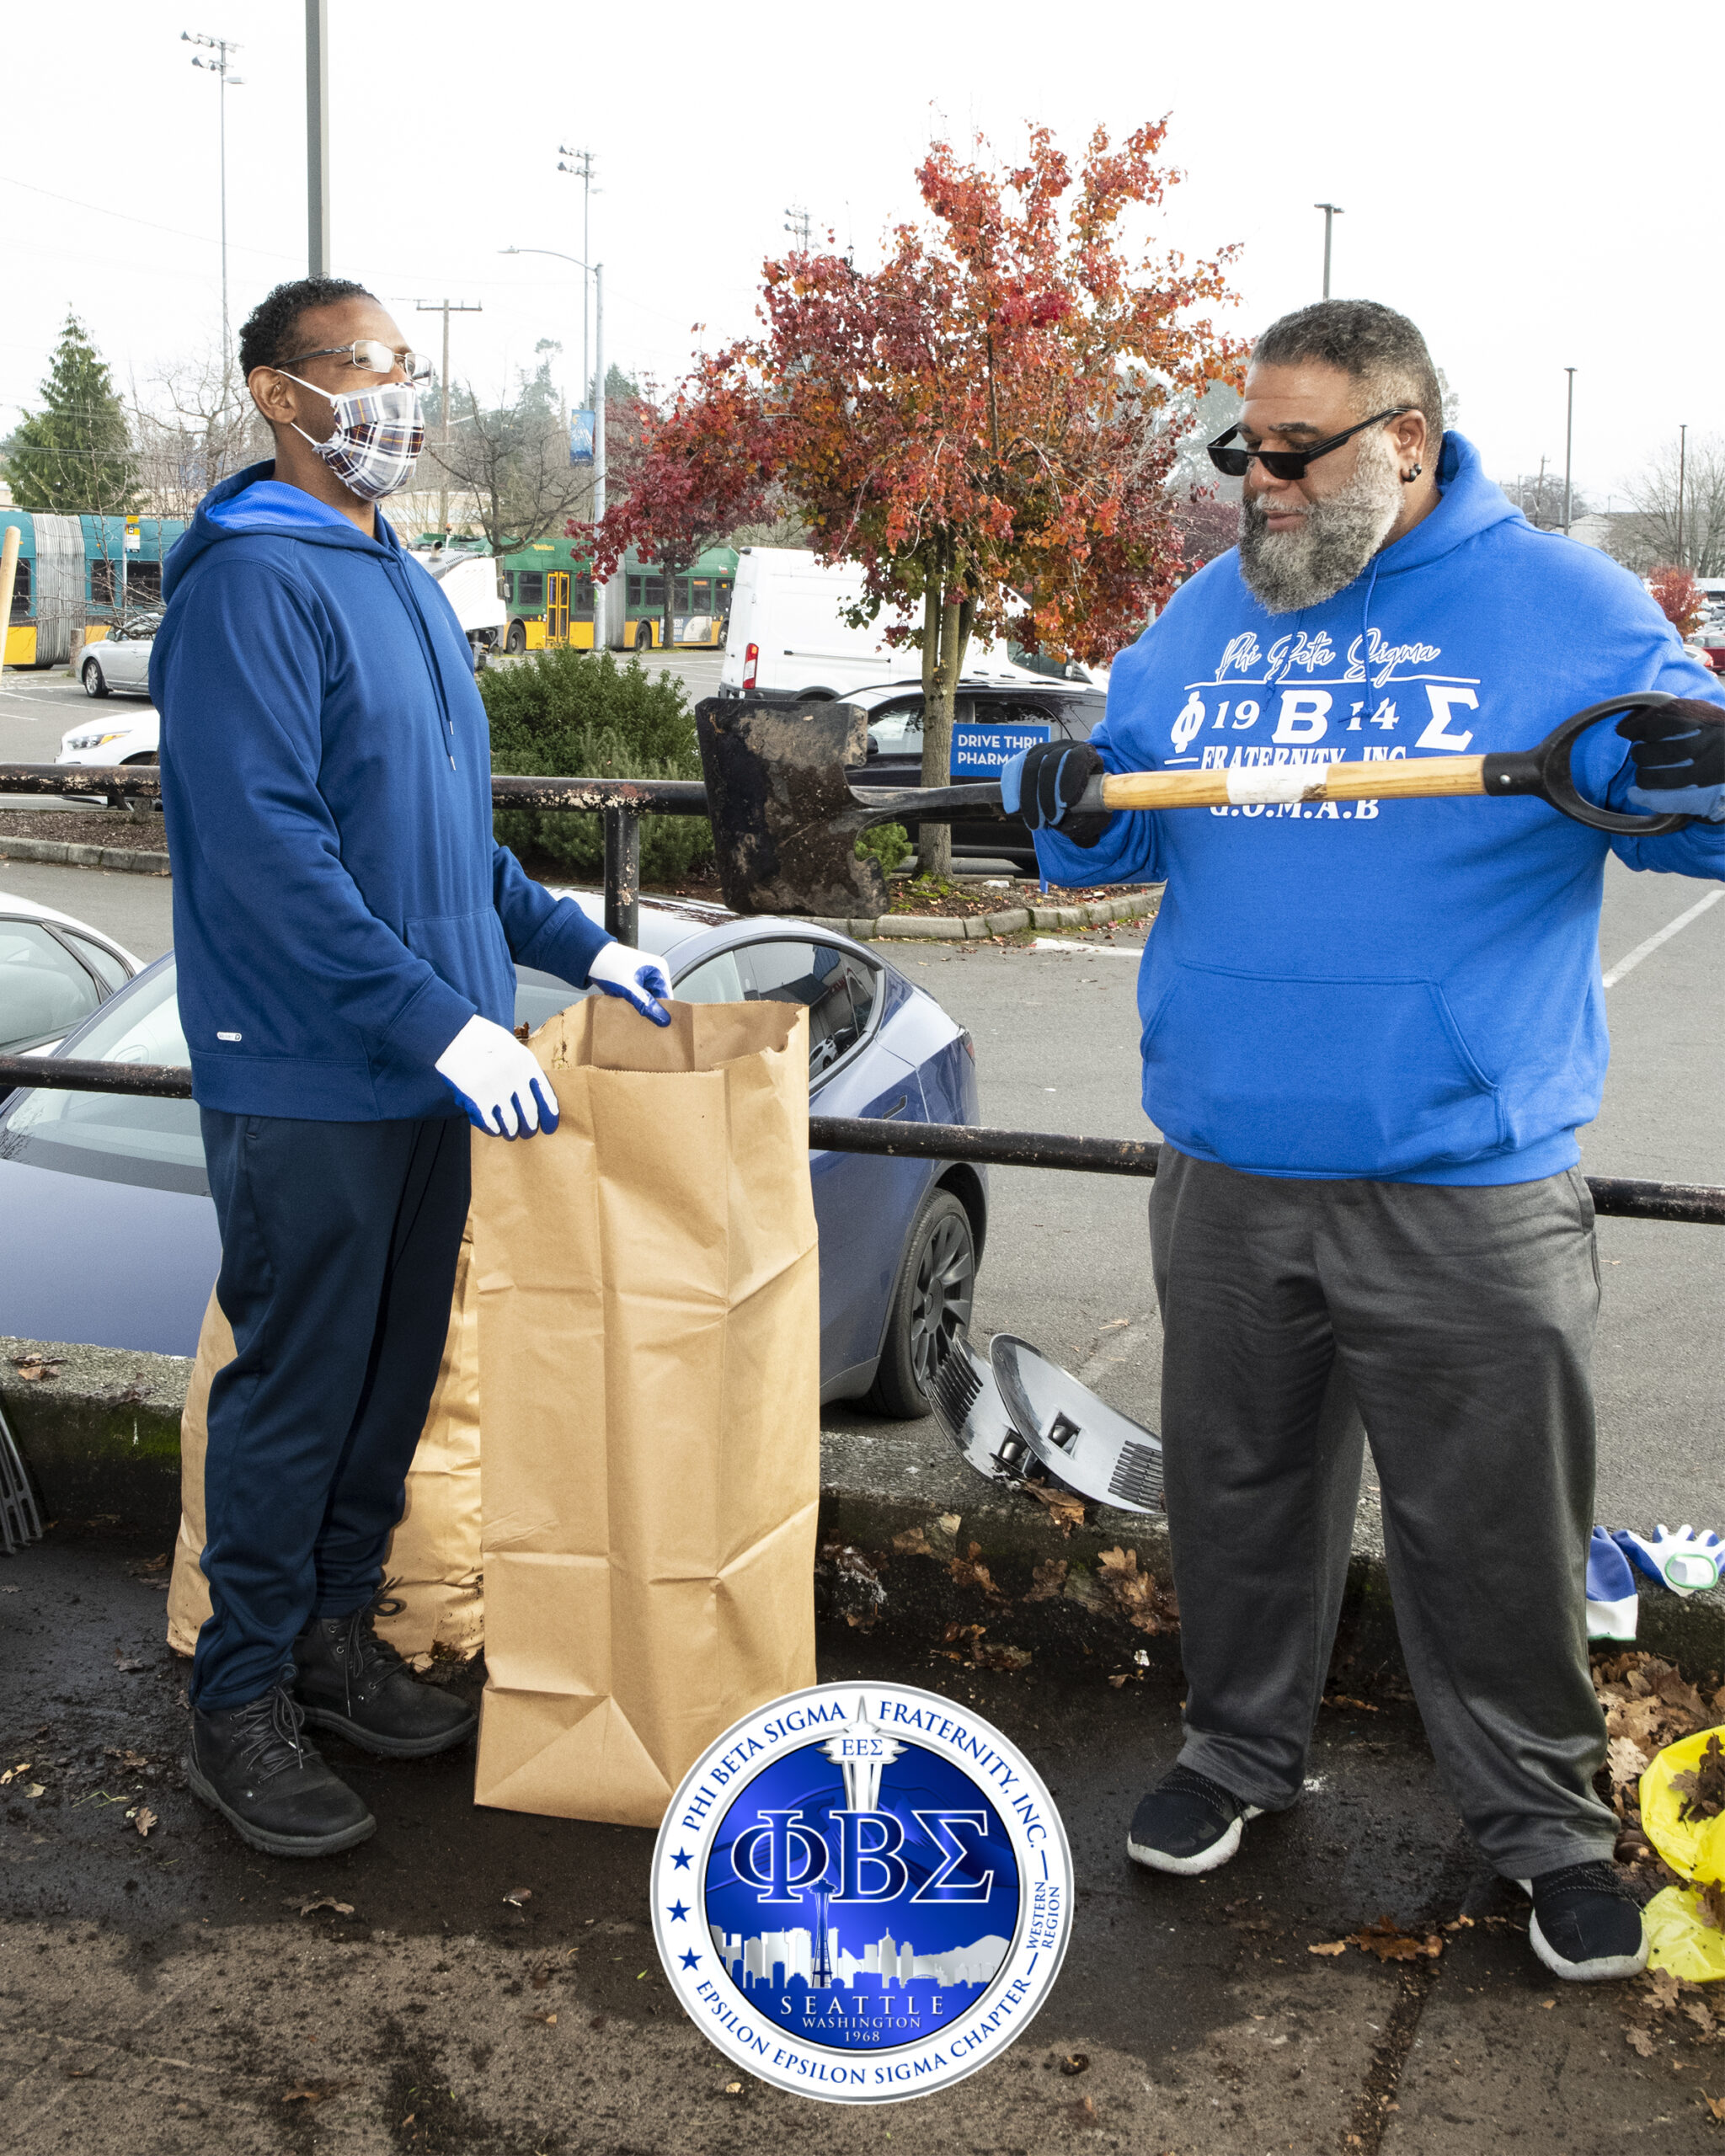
(578,714)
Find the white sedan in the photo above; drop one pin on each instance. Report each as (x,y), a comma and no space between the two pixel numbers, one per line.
(54,970)
(120,664)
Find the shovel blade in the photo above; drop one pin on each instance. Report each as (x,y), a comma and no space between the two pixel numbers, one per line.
(1081,1440)
(778,792)
(969,1407)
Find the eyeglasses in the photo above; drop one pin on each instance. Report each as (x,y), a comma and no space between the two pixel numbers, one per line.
(1288,463)
(371,355)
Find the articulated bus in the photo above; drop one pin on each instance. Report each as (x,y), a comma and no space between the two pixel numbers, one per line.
(79,575)
(549,597)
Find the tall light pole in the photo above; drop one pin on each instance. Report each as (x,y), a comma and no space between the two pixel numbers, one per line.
(222,67)
(1332,211)
(800,225)
(596,270)
(580,168)
(318,138)
(1568,447)
(445,308)
(1682,455)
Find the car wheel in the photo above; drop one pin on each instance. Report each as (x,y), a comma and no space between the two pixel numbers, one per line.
(145,756)
(516,639)
(94,686)
(931,1308)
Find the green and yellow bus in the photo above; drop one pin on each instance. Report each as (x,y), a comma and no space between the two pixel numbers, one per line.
(549,596)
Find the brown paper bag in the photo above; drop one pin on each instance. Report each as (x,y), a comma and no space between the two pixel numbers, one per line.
(432,1564)
(649,1353)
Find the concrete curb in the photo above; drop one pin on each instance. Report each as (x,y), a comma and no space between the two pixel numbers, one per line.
(913,1544)
(135,861)
(1015,920)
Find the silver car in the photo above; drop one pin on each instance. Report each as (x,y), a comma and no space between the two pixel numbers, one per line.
(121,660)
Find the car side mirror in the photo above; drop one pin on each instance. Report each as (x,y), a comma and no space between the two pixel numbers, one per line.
(873,748)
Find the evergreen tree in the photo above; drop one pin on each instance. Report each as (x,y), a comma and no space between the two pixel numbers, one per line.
(76,453)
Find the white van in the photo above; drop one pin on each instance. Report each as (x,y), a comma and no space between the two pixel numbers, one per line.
(787,637)
(469,583)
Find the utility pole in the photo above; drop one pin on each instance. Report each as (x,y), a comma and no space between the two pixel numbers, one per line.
(445,308)
(597,271)
(1568,445)
(581,169)
(222,67)
(317,137)
(1539,497)
(1682,455)
(801,227)
(1332,211)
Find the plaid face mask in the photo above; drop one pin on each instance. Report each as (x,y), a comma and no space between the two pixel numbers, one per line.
(379,434)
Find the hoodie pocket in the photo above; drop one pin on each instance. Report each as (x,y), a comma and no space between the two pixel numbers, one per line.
(1341,1077)
(470,952)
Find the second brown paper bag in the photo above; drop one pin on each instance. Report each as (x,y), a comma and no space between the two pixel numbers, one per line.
(649,1351)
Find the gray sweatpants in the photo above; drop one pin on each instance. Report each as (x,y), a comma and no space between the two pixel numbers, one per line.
(1459,1323)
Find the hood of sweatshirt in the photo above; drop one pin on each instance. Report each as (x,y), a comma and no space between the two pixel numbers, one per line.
(255,501)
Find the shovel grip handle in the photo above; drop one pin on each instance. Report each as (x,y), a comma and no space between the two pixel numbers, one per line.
(1412,778)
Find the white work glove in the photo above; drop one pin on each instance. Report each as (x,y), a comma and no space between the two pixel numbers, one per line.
(640,980)
(497,1080)
(1686,1562)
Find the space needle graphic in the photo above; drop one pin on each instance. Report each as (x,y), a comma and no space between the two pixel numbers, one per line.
(859,1755)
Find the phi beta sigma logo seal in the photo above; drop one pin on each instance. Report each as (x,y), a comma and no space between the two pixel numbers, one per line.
(861,1892)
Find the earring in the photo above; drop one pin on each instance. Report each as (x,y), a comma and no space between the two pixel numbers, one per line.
(1408,477)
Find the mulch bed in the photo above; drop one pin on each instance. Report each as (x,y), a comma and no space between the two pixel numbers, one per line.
(141,833)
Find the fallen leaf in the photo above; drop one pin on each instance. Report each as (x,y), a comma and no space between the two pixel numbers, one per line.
(1715,2105)
(1083,2112)
(1702,2015)
(1625,1760)
(1048,1579)
(129,1665)
(1140,1596)
(316,2092)
(1548,2003)
(914,1543)
(32,1369)
(1640,2042)
(734,2089)
(322,1902)
(12,1774)
(1342,1700)
(1075,2062)
(1064,1506)
(516,1896)
(143,1819)
(1117,1681)
(126,1756)
(950,1523)
(968,1572)
(1332,1946)
(1702,1786)
(549,2019)
(36,1789)
(1461,1923)
(157,1564)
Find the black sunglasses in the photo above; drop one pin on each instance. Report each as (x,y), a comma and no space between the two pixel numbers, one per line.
(1288,463)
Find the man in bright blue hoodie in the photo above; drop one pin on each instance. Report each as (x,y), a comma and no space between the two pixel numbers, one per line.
(345,931)
(1369,1037)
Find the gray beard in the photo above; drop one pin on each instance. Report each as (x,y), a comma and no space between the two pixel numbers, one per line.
(1338,536)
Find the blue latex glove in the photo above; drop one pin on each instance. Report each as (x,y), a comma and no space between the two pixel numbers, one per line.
(1043,785)
(1686,1562)
(640,980)
(1679,753)
(497,1080)
(1612,1602)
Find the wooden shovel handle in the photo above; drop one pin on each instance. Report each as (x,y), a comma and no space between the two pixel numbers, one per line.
(1414,777)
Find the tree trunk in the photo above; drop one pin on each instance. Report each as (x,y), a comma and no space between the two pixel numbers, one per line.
(671,571)
(946,617)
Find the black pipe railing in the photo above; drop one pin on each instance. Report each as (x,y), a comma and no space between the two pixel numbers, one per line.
(1698,1205)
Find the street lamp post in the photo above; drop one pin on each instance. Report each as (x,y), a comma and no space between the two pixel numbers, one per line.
(1332,211)
(596,270)
(582,170)
(222,68)
(1568,445)
(445,308)
(318,138)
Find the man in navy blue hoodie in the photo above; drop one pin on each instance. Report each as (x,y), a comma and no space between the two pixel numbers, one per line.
(1370,1039)
(344,931)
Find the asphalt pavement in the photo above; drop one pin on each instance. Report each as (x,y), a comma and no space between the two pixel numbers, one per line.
(475,1982)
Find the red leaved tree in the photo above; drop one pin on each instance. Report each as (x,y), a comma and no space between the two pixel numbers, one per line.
(986,423)
(1678,597)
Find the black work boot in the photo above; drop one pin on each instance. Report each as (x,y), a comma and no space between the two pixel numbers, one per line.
(251,1764)
(351,1681)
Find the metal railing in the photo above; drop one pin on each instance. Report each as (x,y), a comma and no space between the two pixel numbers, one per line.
(1697,1204)
(620,802)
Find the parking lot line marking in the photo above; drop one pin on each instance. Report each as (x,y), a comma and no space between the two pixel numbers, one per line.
(1646,950)
(1106,950)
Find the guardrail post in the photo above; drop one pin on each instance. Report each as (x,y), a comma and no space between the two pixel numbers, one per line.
(622,875)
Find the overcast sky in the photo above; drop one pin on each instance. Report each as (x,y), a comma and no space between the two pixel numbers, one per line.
(1536,184)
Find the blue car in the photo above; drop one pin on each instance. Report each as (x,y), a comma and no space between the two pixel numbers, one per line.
(110,1236)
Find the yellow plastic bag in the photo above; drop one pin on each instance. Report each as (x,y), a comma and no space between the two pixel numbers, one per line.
(1694,1850)
(1679,1938)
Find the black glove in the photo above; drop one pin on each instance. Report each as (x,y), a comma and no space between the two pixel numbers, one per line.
(1678,752)
(1042,784)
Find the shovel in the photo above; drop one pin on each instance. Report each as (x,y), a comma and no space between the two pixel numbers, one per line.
(785,817)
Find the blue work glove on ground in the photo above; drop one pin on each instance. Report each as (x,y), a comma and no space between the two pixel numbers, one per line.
(1678,751)
(1042,784)
(497,1080)
(631,974)
(1612,1604)
(1686,1562)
